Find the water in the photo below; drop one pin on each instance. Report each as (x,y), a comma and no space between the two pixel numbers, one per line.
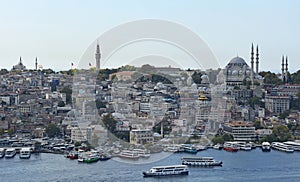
(241,166)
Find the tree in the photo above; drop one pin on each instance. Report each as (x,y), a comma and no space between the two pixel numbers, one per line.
(295,77)
(257,125)
(3,71)
(218,139)
(109,122)
(196,76)
(52,130)
(272,78)
(281,133)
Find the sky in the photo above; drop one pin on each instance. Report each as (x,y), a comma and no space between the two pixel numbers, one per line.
(59,32)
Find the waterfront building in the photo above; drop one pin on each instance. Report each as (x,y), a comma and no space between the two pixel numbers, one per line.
(240,130)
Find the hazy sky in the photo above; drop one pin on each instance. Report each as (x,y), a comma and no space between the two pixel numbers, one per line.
(58,32)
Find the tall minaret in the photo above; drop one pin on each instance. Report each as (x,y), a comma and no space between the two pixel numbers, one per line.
(98,56)
(282,69)
(286,69)
(252,64)
(36,63)
(257,62)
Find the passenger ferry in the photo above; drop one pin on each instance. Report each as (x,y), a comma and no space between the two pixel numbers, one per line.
(129,154)
(142,153)
(2,152)
(266,147)
(200,161)
(25,153)
(231,147)
(10,153)
(167,171)
(294,145)
(282,147)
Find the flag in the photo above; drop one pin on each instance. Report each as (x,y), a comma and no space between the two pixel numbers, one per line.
(90,64)
(72,64)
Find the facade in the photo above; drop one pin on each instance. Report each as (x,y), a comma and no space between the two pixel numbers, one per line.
(81,134)
(241,131)
(237,71)
(141,136)
(277,104)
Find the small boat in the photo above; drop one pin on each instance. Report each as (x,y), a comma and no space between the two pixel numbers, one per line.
(10,153)
(231,147)
(167,171)
(91,158)
(104,157)
(200,161)
(282,147)
(189,149)
(2,152)
(266,147)
(218,146)
(73,155)
(245,146)
(129,154)
(25,153)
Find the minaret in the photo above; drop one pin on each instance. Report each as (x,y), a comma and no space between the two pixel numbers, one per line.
(252,64)
(98,56)
(286,69)
(20,60)
(36,63)
(257,54)
(282,69)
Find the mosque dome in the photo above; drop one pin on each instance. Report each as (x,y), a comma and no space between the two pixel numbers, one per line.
(237,60)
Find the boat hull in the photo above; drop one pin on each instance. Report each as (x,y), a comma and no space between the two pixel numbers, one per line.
(148,174)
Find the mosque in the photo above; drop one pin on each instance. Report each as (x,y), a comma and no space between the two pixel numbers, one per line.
(237,70)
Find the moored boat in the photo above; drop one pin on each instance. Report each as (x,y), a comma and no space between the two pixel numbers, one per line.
(129,154)
(282,147)
(218,146)
(104,157)
(10,153)
(294,145)
(2,152)
(231,147)
(25,153)
(245,146)
(167,171)
(266,147)
(142,153)
(200,161)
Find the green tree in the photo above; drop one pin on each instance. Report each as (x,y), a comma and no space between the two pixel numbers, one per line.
(257,125)
(218,139)
(281,133)
(196,76)
(272,78)
(109,122)
(3,71)
(52,130)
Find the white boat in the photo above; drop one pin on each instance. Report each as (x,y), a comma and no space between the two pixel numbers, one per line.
(266,147)
(282,147)
(200,161)
(25,153)
(2,152)
(10,153)
(129,154)
(167,170)
(294,145)
(218,146)
(142,153)
(245,146)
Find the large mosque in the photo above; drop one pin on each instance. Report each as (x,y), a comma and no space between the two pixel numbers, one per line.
(237,70)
